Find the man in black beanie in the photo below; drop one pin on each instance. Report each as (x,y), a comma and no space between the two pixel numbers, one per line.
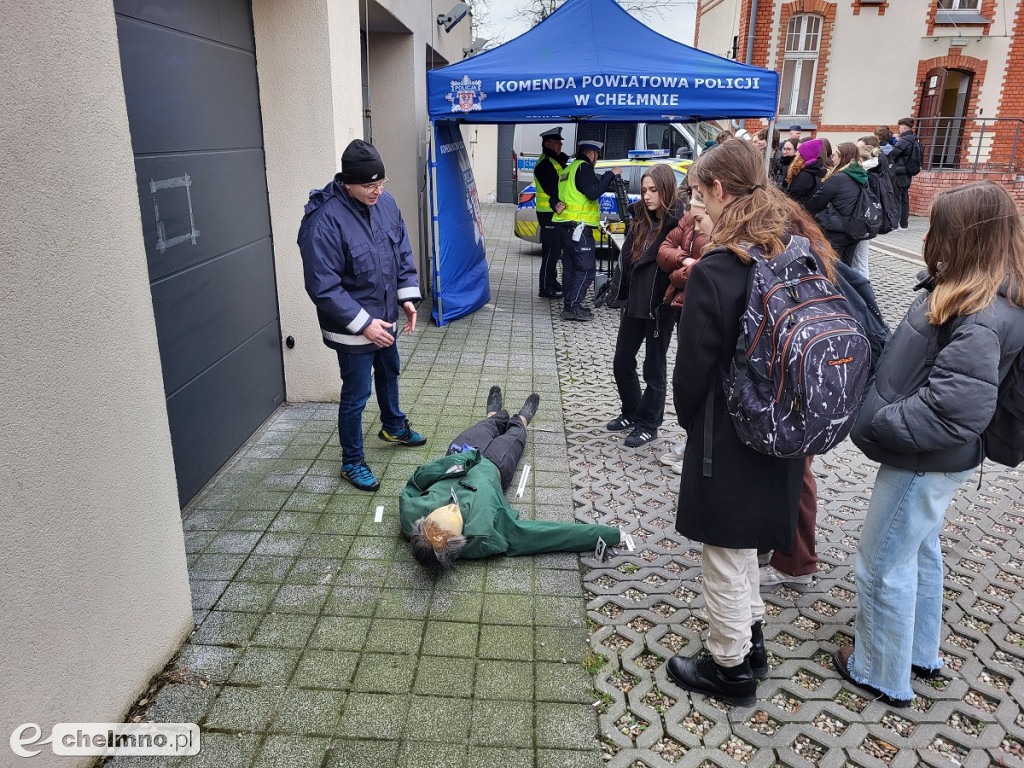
(359,270)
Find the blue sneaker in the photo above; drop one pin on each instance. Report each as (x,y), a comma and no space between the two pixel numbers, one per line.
(405,436)
(360,475)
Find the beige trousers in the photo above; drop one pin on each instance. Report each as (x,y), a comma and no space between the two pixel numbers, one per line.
(732,593)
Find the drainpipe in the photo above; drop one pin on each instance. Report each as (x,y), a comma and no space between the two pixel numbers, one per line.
(750,31)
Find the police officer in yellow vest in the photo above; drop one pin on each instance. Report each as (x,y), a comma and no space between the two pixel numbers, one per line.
(545,178)
(578,209)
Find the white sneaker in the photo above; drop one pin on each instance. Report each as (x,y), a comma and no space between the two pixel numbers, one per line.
(674,456)
(677,467)
(773,577)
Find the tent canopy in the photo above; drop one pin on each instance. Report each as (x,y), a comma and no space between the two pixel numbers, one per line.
(591,60)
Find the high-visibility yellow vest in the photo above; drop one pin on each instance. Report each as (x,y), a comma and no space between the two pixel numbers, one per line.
(543,198)
(578,207)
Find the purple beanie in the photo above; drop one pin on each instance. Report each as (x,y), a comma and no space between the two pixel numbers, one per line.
(810,150)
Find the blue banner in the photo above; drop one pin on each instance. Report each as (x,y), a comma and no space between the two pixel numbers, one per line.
(591,60)
(461,283)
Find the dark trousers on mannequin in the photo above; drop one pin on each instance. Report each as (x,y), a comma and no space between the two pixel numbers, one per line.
(500,438)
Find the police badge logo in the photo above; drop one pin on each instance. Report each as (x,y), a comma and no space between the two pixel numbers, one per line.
(466,95)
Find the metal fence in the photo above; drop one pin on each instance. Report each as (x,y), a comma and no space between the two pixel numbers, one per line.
(979,145)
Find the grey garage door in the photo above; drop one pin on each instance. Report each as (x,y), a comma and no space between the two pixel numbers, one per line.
(189,70)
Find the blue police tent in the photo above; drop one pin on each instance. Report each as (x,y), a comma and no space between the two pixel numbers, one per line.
(589,60)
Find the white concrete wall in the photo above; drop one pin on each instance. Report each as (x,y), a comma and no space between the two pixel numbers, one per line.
(482,145)
(307,60)
(717,28)
(95,592)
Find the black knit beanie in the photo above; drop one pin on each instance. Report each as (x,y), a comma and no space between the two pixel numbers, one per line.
(361,163)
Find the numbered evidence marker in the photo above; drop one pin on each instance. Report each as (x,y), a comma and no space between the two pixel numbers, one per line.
(600,550)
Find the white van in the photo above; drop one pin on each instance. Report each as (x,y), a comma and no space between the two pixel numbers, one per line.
(682,140)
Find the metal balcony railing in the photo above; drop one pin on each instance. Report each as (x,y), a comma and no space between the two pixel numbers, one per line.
(979,145)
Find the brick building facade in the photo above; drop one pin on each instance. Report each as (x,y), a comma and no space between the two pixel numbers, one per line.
(848,66)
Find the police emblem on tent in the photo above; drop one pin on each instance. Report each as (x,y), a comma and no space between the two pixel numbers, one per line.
(465,95)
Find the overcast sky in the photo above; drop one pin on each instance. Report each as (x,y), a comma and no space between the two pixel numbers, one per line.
(507,23)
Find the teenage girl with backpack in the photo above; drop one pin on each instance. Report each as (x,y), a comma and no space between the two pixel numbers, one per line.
(836,200)
(745,499)
(646,320)
(922,419)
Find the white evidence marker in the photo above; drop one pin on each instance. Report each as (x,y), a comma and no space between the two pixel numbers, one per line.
(380,514)
(522,482)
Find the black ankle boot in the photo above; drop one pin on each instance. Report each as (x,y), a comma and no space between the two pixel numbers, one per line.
(758,656)
(529,409)
(733,685)
(494,400)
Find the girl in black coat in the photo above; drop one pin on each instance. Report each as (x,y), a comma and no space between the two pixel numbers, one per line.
(745,500)
(841,189)
(805,172)
(646,319)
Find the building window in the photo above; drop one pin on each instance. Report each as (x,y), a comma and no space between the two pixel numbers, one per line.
(803,37)
(958,5)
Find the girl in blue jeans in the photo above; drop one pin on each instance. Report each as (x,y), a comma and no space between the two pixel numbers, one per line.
(922,419)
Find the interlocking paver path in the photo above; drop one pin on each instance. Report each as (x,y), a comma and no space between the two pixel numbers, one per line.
(320,642)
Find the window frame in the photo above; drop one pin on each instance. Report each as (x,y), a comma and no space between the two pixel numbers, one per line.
(801,56)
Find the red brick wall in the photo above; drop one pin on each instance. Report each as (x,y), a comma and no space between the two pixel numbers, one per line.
(927,183)
(1011,100)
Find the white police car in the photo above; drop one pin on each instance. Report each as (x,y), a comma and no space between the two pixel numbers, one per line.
(633,169)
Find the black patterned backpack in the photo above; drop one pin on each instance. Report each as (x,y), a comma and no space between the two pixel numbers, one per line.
(802,360)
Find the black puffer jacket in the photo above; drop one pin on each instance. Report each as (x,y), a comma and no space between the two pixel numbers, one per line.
(927,408)
(842,190)
(806,182)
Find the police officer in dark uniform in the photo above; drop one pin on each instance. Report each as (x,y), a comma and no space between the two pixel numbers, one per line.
(545,178)
(577,212)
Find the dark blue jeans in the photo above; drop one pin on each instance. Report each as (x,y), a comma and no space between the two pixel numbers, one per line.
(355,391)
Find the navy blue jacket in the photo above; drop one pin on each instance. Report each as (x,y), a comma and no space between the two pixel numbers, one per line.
(358,264)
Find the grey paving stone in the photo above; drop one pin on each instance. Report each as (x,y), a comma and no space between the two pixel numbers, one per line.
(340,633)
(385,673)
(437,719)
(326,669)
(284,630)
(359,753)
(292,752)
(395,635)
(443,675)
(226,628)
(373,714)
(222,749)
(246,597)
(244,709)
(309,712)
(502,723)
(265,666)
(504,680)
(506,642)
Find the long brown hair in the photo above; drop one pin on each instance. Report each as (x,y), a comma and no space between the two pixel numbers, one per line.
(975,243)
(644,224)
(754,217)
(848,153)
(803,224)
